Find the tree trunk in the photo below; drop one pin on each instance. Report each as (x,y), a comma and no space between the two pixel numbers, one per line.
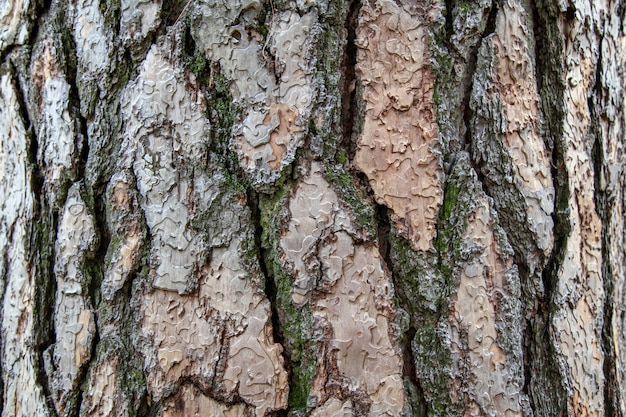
(312,207)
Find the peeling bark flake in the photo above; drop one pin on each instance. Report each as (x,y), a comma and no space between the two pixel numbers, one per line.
(398,146)
(352,283)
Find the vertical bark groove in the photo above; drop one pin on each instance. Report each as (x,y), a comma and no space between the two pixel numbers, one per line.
(490,28)
(43,231)
(546,396)
(270,288)
(349,109)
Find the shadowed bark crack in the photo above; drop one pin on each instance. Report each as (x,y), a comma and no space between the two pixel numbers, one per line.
(611,394)
(595,101)
(349,111)
(41,240)
(270,284)
(539,350)
(94,263)
(41,9)
(468,114)
(271,291)
(409,371)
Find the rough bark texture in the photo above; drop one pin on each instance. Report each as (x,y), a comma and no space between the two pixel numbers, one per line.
(312,207)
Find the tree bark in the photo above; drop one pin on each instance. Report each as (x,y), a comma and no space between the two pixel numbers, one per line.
(312,207)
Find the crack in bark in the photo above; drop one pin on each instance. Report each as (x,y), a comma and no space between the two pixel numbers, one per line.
(94,262)
(36,23)
(96,267)
(271,290)
(538,348)
(468,114)
(611,392)
(383,230)
(270,284)
(410,372)
(349,113)
(545,396)
(449,24)
(40,259)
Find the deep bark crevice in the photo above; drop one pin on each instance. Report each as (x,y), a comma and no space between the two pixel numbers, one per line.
(490,28)
(83,145)
(81,139)
(97,260)
(271,290)
(538,339)
(349,111)
(468,112)
(409,372)
(611,394)
(546,393)
(383,229)
(383,232)
(449,24)
(595,101)
(173,11)
(7,52)
(45,308)
(270,284)
(43,231)
(94,267)
(40,10)
(94,263)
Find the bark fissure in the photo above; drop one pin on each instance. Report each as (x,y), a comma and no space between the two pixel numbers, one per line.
(449,24)
(95,266)
(271,290)
(468,113)
(46,313)
(410,373)
(538,337)
(42,255)
(383,231)
(383,228)
(539,350)
(611,393)
(349,113)
(270,283)
(94,262)
(41,9)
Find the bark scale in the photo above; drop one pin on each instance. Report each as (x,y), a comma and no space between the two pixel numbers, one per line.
(312,208)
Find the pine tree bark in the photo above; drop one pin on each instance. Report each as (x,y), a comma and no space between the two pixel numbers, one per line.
(312,207)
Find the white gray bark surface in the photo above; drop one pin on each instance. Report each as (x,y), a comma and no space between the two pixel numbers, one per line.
(312,207)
